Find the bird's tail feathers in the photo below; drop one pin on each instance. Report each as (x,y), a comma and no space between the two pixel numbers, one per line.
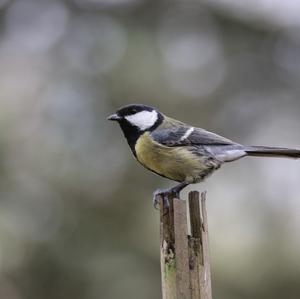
(266,151)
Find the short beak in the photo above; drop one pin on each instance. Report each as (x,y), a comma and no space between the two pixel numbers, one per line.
(114,117)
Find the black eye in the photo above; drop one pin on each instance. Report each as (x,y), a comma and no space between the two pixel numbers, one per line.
(134,111)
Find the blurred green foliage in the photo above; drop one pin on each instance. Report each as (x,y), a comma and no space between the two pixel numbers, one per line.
(76,216)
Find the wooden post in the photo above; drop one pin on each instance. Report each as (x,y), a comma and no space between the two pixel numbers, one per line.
(199,247)
(185,266)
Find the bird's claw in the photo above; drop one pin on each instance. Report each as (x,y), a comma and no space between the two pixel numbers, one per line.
(165,194)
(156,198)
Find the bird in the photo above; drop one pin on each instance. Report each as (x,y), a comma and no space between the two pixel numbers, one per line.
(181,152)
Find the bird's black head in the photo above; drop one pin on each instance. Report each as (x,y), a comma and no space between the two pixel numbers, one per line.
(135,119)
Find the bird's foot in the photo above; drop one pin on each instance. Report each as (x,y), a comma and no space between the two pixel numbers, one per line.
(165,193)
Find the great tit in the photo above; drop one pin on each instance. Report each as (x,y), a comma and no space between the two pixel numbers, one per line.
(180,152)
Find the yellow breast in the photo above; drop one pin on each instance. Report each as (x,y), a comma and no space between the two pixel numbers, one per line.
(175,163)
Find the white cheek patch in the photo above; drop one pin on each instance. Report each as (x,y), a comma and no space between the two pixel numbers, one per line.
(143,120)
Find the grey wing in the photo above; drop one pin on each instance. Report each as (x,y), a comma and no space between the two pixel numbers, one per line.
(217,146)
(186,135)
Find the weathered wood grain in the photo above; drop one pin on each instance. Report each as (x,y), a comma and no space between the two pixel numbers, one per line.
(185,266)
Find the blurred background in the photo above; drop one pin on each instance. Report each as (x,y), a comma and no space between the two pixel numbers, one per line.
(76,215)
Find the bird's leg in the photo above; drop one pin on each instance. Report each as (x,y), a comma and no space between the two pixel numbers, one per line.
(177,189)
(164,193)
